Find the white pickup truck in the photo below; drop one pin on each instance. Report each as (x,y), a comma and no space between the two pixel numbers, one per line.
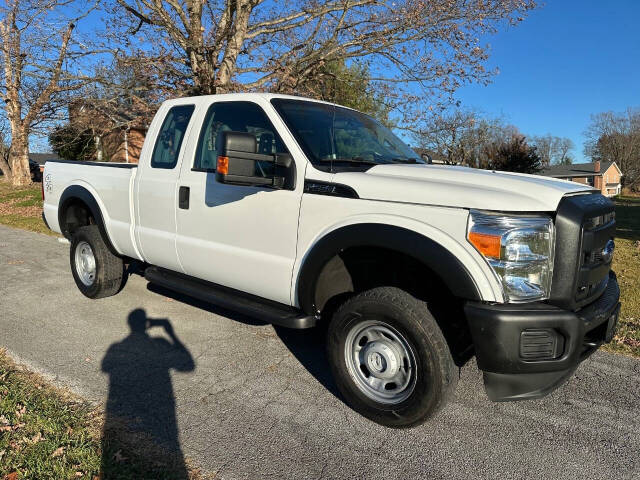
(305,213)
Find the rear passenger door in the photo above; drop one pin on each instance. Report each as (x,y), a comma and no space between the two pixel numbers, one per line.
(238,236)
(155,188)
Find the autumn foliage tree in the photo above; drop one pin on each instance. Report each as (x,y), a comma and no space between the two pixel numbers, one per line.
(514,155)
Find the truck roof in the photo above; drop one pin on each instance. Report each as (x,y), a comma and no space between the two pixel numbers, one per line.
(251,96)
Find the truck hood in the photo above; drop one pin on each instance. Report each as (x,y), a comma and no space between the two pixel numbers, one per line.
(462,187)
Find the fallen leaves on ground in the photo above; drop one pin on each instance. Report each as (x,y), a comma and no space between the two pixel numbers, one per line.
(57,452)
(36,438)
(10,207)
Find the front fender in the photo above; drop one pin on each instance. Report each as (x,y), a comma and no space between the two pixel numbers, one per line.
(450,265)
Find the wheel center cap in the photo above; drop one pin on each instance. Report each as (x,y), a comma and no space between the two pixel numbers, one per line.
(381,360)
(377,362)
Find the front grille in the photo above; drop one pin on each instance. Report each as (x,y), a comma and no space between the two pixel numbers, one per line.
(584,226)
(593,273)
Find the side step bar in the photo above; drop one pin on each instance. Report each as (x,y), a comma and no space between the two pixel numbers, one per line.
(250,305)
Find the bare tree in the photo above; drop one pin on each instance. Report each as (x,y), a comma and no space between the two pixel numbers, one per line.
(565,146)
(218,46)
(124,97)
(553,150)
(445,134)
(463,136)
(615,137)
(36,53)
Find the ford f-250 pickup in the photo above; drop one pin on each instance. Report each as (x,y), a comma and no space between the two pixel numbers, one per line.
(305,213)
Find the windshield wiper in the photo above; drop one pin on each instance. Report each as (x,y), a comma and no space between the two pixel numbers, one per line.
(405,160)
(357,160)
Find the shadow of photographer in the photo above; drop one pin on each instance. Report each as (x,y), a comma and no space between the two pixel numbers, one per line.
(141,398)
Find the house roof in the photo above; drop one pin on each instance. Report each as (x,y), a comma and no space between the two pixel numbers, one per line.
(575,170)
(42,157)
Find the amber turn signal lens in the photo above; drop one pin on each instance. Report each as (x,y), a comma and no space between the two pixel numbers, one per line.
(223,165)
(488,245)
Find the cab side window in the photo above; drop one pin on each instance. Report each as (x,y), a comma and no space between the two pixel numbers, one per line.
(244,117)
(169,141)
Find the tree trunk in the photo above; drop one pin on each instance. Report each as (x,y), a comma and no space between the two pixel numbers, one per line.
(4,166)
(19,161)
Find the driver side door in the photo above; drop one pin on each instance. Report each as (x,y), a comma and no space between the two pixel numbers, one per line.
(241,237)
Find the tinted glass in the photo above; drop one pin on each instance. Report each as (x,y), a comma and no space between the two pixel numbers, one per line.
(167,148)
(244,117)
(339,136)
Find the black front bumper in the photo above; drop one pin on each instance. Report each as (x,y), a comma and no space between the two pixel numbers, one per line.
(515,367)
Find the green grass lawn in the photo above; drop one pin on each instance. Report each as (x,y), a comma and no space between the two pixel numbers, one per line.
(47,433)
(626,264)
(22,208)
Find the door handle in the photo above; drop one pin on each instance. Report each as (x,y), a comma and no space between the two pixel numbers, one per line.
(183,198)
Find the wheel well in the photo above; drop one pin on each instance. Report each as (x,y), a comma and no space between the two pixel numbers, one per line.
(357,269)
(76,214)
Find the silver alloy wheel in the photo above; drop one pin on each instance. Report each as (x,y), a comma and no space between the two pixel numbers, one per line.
(380,361)
(85,263)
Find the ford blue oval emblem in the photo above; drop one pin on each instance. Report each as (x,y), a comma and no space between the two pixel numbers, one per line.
(607,251)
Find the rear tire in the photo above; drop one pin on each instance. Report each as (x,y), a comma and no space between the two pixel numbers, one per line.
(98,273)
(389,358)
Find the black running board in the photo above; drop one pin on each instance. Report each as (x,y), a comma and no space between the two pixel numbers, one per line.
(250,305)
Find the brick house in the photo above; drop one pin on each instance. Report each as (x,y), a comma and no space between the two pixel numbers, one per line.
(605,176)
(118,135)
(122,144)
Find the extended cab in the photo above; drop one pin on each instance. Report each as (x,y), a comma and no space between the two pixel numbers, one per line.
(305,213)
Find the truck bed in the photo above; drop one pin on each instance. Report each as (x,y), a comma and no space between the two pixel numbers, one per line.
(112,188)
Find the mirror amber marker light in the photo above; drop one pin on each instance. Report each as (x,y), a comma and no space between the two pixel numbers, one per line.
(223,165)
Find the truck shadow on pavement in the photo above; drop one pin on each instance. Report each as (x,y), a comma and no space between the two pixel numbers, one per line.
(141,404)
(307,346)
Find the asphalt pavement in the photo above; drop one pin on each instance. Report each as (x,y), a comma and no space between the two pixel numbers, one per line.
(243,399)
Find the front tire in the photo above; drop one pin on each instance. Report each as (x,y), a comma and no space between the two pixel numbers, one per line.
(98,273)
(389,358)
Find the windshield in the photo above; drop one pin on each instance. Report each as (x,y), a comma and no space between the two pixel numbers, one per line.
(337,138)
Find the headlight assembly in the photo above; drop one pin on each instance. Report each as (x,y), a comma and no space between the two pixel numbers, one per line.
(519,249)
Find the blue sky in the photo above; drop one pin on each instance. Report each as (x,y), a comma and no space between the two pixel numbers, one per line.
(567,60)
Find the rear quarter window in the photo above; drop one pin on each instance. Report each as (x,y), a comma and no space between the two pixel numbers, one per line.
(169,141)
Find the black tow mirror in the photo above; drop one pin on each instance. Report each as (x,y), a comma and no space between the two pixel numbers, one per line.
(240,164)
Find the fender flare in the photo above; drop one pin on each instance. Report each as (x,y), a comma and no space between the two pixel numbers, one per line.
(424,250)
(77,192)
